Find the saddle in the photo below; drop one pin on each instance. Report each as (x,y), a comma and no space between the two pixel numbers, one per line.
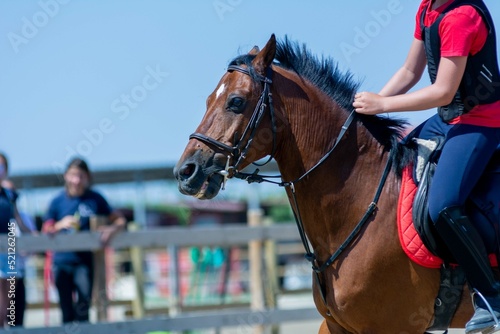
(482,206)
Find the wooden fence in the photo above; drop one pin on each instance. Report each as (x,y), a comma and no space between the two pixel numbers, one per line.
(259,238)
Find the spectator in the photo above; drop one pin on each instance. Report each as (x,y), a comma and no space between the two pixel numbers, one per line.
(11,265)
(69,212)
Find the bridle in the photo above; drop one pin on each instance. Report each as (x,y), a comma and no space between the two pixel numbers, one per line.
(238,152)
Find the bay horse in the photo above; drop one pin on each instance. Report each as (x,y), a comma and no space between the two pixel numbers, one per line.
(287,104)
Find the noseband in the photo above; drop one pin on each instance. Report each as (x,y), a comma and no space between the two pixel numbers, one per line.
(238,151)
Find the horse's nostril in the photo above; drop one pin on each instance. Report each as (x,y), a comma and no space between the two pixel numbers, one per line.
(187,170)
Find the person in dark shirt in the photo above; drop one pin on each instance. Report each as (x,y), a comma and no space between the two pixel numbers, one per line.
(11,269)
(69,212)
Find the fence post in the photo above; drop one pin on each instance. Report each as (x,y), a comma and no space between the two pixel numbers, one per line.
(254,217)
(100,288)
(137,258)
(271,286)
(174,281)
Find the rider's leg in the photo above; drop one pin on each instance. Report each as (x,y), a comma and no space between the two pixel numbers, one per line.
(433,127)
(468,249)
(464,158)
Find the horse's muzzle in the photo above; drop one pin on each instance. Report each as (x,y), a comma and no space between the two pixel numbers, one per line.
(196,177)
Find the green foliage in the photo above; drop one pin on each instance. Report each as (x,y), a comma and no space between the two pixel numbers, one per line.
(181,212)
(280,213)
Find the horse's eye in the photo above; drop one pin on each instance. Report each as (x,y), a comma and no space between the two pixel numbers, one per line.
(235,104)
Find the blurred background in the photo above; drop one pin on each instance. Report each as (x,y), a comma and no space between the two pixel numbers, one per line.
(123,83)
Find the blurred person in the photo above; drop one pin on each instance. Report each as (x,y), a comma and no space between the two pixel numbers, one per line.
(69,212)
(12,288)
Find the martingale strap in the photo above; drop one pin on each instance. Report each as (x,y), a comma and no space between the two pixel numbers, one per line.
(311,257)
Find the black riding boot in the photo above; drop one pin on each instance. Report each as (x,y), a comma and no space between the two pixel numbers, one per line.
(468,249)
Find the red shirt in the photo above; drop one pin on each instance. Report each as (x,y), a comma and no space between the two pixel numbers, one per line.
(463,32)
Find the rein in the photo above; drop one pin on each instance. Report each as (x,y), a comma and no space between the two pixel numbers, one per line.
(238,154)
(311,257)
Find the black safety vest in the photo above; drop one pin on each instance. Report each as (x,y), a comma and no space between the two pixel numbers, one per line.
(481,81)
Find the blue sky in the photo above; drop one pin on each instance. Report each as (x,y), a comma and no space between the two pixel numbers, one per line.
(124,83)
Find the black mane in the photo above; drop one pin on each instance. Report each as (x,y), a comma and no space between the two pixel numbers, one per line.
(324,73)
(340,85)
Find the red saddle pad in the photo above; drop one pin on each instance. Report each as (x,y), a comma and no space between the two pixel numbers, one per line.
(410,240)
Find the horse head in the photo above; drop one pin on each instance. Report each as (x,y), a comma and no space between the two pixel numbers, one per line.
(230,135)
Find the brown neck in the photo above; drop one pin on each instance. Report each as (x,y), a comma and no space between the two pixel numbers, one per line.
(334,197)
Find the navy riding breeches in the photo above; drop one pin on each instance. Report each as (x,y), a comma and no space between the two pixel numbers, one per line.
(464,157)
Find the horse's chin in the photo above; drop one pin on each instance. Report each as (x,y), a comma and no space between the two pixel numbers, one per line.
(210,187)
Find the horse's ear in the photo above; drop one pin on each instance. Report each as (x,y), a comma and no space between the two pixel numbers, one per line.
(254,51)
(266,56)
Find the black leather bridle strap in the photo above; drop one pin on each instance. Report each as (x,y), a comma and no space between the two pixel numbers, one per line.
(243,70)
(240,148)
(215,143)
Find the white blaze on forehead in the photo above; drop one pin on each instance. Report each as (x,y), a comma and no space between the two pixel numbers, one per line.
(220,90)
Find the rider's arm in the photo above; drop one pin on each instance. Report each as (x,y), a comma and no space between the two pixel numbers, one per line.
(409,74)
(449,76)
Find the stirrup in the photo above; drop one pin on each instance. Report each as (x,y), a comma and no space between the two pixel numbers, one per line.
(497,323)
